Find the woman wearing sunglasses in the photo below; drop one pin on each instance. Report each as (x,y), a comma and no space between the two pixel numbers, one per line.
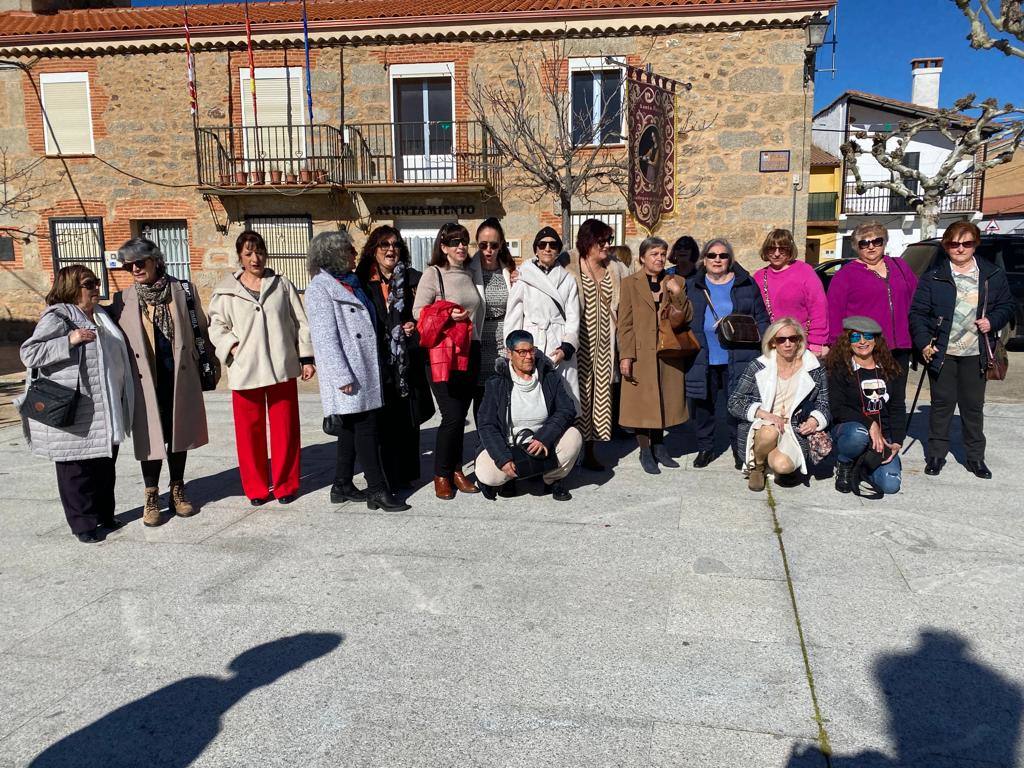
(781,398)
(497,274)
(545,302)
(960,306)
(880,287)
(599,278)
(870,422)
(452,287)
(77,344)
(719,288)
(790,288)
(170,417)
(390,283)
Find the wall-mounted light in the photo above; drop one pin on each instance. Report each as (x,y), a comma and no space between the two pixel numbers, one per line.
(816,30)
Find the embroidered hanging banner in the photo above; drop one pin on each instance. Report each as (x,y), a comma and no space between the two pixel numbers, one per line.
(651,110)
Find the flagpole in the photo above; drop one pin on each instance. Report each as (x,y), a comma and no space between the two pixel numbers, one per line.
(309,73)
(252,82)
(193,99)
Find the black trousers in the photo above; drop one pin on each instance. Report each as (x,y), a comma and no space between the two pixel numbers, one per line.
(87,491)
(454,398)
(358,440)
(175,468)
(656,436)
(958,383)
(898,394)
(705,409)
(399,433)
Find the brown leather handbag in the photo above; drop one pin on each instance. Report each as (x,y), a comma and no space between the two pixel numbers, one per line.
(675,339)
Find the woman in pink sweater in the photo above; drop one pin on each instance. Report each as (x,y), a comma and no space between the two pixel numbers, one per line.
(790,288)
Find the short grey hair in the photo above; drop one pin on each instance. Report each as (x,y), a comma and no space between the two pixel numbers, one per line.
(331,251)
(869,228)
(722,242)
(651,242)
(139,249)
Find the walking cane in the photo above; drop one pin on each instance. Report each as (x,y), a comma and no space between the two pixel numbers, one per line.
(920,384)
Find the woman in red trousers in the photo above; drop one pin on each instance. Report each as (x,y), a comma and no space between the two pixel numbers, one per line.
(258,326)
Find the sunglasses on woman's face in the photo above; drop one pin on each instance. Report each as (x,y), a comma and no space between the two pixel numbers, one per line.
(140,263)
(456,241)
(489,246)
(876,242)
(605,240)
(90,284)
(795,339)
(387,245)
(717,256)
(965,244)
(548,245)
(857,336)
(784,250)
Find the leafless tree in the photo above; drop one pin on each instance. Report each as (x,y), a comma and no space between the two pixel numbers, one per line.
(530,116)
(964,164)
(20,187)
(1002,29)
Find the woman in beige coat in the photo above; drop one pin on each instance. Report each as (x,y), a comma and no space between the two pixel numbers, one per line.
(653,393)
(258,326)
(170,418)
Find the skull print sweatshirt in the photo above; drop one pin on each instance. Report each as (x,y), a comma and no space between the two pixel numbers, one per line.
(865,396)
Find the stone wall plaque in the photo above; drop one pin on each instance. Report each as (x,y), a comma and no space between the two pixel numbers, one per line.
(774,161)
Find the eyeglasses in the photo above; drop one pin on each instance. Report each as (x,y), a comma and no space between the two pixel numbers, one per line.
(856,336)
(716,256)
(965,244)
(140,263)
(795,339)
(455,242)
(523,352)
(90,283)
(605,240)
(487,246)
(876,242)
(548,245)
(387,245)
(783,249)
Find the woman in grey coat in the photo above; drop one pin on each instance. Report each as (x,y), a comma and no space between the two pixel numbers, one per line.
(342,325)
(77,344)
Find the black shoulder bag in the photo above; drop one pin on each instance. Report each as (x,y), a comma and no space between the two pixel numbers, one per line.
(735,328)
(51,403)
(209,367)
(528,465)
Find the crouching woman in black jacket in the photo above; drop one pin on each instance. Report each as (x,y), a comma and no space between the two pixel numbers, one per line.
(870,421)
(526,411)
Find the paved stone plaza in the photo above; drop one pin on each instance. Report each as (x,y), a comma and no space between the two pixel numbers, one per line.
(649,622)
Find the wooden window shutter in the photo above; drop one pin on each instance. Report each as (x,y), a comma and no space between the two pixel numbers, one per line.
(68,113)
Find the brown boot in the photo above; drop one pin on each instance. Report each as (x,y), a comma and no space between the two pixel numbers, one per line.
(179,504)
(443,488)
(755,480)
(463,484)
(151,508)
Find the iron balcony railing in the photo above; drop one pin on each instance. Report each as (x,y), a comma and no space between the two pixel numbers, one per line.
(241,157)
(885,201)
(822,206)
(439,152)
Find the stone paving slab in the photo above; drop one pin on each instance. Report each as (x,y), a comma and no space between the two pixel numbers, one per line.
(649,622)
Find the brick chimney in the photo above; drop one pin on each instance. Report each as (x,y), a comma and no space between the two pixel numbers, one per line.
(926,74)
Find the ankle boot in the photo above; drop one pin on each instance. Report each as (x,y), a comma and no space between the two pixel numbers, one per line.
(383,499)
(179,503)
(590,458)
(661,455)
(756,478)
(648,462)
(844,476)
(443,488)
(463,484)
(151,508)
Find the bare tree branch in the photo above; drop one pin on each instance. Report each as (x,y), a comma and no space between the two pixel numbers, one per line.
(1009,22)
(968,136)
(20,187)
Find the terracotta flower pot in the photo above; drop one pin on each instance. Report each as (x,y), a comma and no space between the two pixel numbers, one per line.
(290,178)
(257,177)
(275,177)
(305,176)
(321,176)
(240,178)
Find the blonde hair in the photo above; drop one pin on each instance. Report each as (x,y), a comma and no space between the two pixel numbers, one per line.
(767,340)
(779,238)
(869,228)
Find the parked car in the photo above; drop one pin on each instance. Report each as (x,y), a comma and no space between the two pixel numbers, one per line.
(1005,251)
(827,269)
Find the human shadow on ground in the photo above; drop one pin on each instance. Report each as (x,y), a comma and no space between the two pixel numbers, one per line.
(945,710)
(171,727)
(917,435)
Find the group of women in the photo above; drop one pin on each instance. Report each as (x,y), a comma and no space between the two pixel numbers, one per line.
(386,343)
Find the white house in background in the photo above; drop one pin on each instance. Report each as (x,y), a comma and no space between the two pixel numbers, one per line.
(856,111)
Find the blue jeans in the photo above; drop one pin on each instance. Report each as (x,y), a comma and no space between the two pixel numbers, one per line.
(851,440)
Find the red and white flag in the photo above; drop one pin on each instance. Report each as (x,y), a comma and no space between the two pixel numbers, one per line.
(193,101)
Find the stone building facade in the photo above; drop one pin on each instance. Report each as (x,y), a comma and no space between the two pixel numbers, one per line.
(152,170)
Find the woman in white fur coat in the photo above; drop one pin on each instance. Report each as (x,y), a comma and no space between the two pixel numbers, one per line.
(545,302)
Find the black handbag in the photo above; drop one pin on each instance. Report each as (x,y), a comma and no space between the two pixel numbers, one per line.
(333,425)
(528,465)
(51,403)
(735,328)
(209,366)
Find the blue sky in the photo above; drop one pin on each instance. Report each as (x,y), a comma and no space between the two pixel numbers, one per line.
(878,38)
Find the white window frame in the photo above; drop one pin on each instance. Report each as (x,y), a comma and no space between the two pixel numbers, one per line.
(271,73)
(616,219)
(416,72)
(600,64)
(66,77)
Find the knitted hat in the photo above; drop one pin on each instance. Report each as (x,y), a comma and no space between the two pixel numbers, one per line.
(547,232)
